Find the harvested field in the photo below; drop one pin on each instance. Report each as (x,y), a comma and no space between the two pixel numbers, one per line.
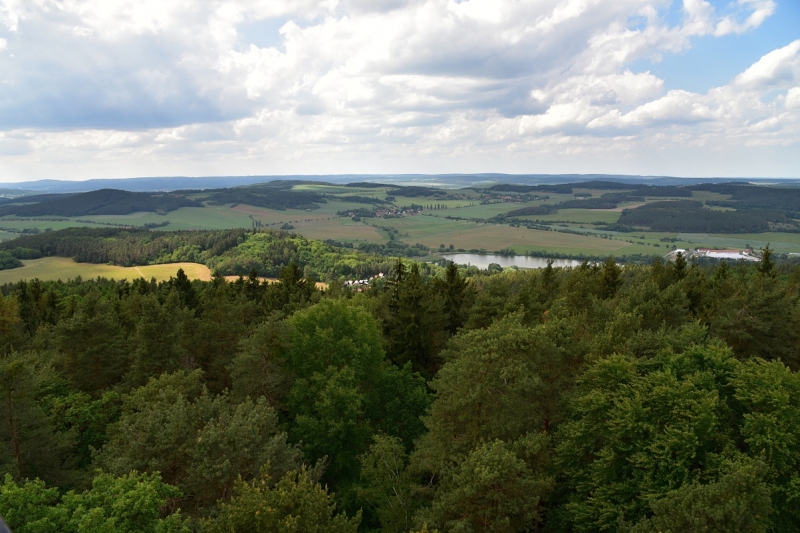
(54,268)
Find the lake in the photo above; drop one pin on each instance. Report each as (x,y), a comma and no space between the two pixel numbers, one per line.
(521,261)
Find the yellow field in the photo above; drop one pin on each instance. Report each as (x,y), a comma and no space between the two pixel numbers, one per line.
(54,268)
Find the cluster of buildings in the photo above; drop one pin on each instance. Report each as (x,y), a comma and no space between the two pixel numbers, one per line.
(733,255)
(362,284)
(398,211)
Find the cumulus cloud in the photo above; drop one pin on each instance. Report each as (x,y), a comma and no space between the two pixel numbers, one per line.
(173,82)
(779,67)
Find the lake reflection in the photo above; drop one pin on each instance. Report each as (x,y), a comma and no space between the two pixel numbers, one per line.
(521,261)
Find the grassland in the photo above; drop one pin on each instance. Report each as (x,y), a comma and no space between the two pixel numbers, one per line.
(55,268)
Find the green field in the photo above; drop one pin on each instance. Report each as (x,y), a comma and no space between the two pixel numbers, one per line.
(55,268)
(578,216)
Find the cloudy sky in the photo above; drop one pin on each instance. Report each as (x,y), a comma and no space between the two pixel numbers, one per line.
(123,88)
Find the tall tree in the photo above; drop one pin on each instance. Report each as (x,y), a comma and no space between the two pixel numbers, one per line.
(91,345)
(295,503)
(30,447)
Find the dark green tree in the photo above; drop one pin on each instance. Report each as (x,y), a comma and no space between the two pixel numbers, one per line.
(91,345)
(30,447)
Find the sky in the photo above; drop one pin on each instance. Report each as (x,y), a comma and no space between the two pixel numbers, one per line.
(126,88)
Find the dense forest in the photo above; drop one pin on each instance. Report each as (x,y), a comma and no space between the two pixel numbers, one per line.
(280,196)
(527,189)
(691,216)
(227,252)
(783,199)
(102,202)
(597,398)
(269,197)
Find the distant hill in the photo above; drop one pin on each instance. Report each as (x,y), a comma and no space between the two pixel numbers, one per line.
(33,198)
(175,183)
(102,202)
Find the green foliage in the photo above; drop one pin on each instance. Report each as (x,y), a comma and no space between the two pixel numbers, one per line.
(334,333)
(197,442)
(8,261)
(102,202)
(91,345)
(296,504)
(597,398)
(494,489)
(739,501)
(78,415)
(12,335)
(691,216)
(131,503)
(30,446)
(270,197)
(157,339)
(329,420)
(258,369)
(27,503)
(388,485)
(647,435)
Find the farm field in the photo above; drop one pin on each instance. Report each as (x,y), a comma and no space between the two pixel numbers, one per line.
(578,216)
(55,268)
(432,228)
(8,223)
(494,237)
(339,229)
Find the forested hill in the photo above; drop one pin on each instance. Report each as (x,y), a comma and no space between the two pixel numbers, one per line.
(102,202)
(691,216)
(784,200)
(228,252)
(592,399)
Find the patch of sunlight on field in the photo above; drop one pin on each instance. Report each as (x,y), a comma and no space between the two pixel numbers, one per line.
(54,268)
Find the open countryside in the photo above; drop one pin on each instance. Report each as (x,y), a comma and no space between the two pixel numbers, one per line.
(432,221)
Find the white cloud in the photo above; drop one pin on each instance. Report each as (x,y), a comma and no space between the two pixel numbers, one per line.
(779,67)
(761,9)
(173,84)
(793,98)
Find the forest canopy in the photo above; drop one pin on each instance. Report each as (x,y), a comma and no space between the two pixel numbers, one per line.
(692,216)
(650,398)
